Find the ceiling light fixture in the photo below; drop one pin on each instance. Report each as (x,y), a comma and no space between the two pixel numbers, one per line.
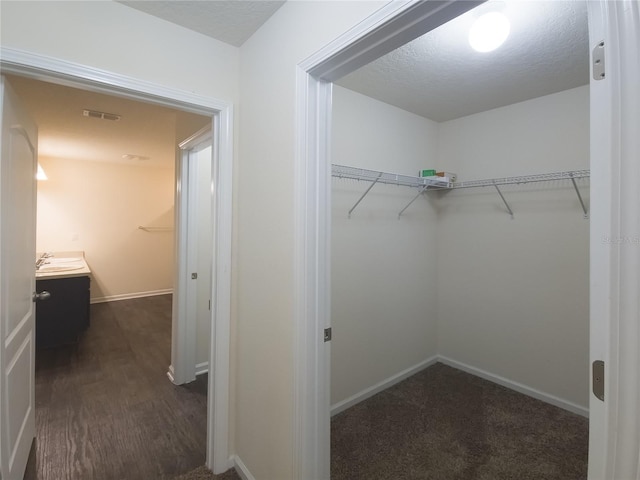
(40,175)
(489,31)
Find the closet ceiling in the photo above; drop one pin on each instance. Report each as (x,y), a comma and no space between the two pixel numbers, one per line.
(440,77)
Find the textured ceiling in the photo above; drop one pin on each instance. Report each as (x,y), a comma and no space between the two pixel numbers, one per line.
(145,130)
(230,21)
(439,76)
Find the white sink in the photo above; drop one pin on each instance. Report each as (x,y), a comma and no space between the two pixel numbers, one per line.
(59,268)
(56,260)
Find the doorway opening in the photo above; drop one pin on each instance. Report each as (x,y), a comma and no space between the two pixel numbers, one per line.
(220,115)
(430,288)
(117,213)
(379,34)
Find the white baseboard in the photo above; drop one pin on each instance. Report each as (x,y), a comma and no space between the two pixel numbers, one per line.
(128,296)
(380,386)
(242,469)
(518,387)
(170,374)
(202,368)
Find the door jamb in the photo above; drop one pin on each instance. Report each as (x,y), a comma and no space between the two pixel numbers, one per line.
(183,339)
(53,70)
(385,30)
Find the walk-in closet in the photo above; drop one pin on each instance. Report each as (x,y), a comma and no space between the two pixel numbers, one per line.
(481,272)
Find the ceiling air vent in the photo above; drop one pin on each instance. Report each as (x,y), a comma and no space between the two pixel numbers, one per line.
(101,115)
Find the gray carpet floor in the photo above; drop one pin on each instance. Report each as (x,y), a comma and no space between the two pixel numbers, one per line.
(444,424)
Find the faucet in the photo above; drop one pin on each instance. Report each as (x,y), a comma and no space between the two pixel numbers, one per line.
(43,259)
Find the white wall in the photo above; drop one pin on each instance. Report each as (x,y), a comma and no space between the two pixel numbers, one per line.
(266,201)
(97,207)
(383,282)
(513,295)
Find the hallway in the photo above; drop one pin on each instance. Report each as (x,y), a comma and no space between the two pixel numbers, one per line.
(105,408)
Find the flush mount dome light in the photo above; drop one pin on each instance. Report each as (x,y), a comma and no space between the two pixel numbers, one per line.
(489,32)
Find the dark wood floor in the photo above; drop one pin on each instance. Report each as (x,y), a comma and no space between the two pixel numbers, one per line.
(105,408)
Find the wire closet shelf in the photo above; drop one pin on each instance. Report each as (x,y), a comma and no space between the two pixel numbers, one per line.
(429,183)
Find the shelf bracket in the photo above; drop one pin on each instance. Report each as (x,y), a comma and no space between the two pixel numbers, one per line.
(575,186)
(364,194)
(422,190)
(505,201)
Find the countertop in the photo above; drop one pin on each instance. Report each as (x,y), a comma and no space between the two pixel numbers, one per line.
(63,265)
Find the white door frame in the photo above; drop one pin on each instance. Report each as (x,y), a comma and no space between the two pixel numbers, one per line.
(183,338)
(615,241)
(390,27)
(54,70)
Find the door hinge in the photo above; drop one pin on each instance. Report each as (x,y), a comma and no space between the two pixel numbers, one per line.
(597,379)
(597,56)
(327,334)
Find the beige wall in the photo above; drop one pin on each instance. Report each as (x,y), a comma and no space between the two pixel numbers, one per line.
(462,279)
(97,207)
(119,39)
(513,295)
(383,278)
(265,327)
(110,36)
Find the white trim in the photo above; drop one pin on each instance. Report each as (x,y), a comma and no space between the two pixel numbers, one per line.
(184,336)
(311,273)
(202,368)
(218,458)
(49,69)
(129,296)
(182,347)
(614,443)
(349,402)
(80,76)
(170,376)
(393,25)
(518,387)
(242,469)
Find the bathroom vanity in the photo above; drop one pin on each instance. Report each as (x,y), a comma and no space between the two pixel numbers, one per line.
(64,315)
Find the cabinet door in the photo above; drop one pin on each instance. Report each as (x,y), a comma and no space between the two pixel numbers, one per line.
(61,318)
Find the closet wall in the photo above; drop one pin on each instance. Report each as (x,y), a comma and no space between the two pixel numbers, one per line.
(513,295)
(456,276)
(383,284)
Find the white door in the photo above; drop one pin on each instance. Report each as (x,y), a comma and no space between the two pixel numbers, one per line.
(193,295)
(17,282)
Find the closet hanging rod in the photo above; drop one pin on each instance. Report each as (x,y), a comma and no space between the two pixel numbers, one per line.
(155,229)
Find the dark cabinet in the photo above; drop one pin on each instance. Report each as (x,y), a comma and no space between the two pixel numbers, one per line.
(65,315)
